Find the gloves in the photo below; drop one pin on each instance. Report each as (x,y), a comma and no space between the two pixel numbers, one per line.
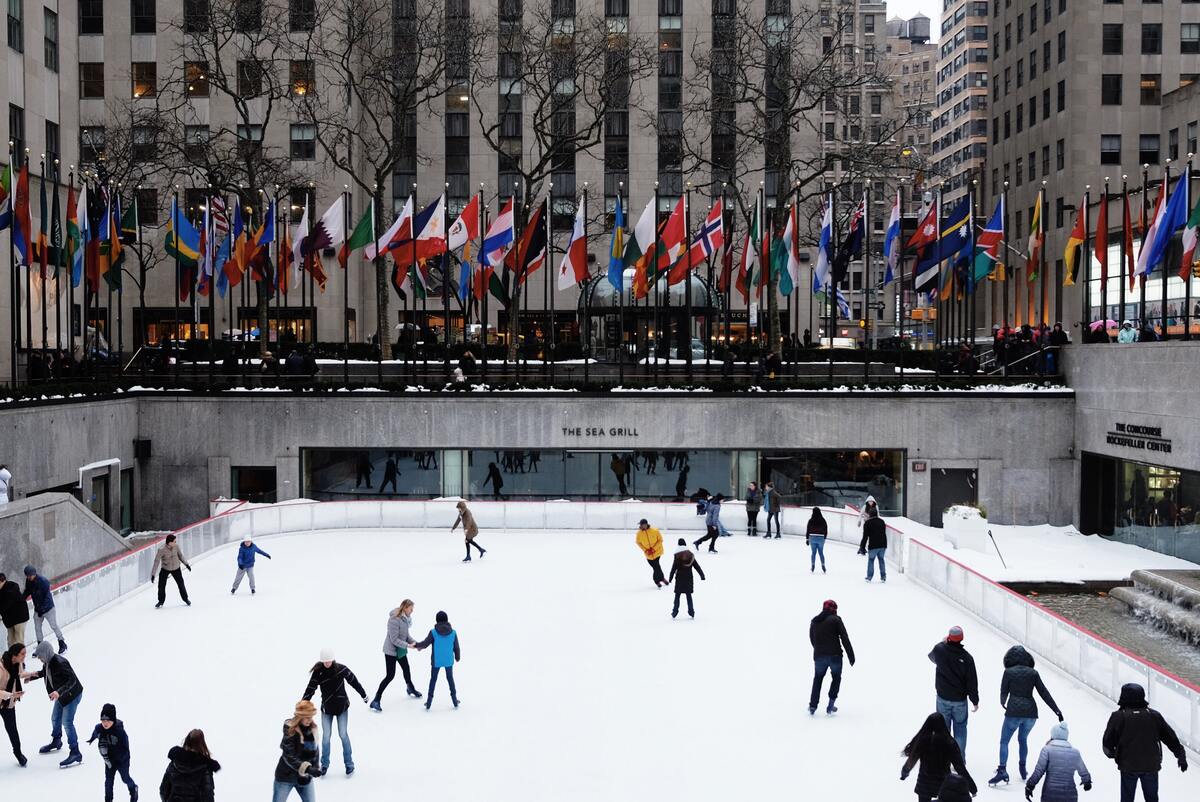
(1183,764)
(903,776)
(188,567)
(806,541)
(1087,786)
(304,768)
(851,661)
(1060,716)
(1029,792)
(862,552)
(314,771)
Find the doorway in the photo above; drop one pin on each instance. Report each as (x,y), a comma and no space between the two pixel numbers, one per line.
(254,484)
(950,486)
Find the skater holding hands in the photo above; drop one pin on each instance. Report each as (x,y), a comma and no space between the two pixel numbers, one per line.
(395,650)
(444,641)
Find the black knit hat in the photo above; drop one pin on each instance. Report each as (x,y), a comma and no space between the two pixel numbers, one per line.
(108,712)
(442,617)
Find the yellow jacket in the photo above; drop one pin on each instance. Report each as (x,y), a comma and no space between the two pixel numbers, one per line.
(650,542)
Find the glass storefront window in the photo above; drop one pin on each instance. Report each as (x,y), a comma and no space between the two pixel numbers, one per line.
(342,474)
(835,478)
(1156,507)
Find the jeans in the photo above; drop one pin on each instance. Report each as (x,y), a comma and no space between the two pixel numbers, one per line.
(1022,727)
(389,665)
(241,572)
(63,717)
(162,585)
(691,609)
(110,773)
(51,618)
(1129,783)
(656,572)
(343,725)
(773,515)
(872,556)
(307,793)
(955,714)
(9,715)
(821,664)
(816,546)
(433,676)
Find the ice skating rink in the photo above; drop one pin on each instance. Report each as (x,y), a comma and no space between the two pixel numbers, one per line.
(575,682)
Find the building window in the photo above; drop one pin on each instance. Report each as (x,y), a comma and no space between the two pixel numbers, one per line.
(298,197)
(16,25)
(302,77)
(195,142)
(302,14)
(1151,38)
(91,17)
(1113,39)
(1110,89)
(145,78)
(147,207)
(1191,137)
(195,16)
(250,138)
(91,79)
(1151,86)
(144,143)
(53,145)
(247,15)
(50,40)
(304,142)
(92,141)
(144,18)
(249,78)
(1189,38)
(1173,144)
(1062,95)
(1148,145)
(1060,154)
(1062,46)
(1110,148)
(195,74)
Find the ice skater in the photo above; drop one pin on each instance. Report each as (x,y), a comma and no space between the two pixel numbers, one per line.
(869,506)
(470,530)
(14,612)
(1133,737)
(391,471)
(681,572)
(956,682)
(1059,762)
(12,662)
(37,588)
(298,756)
(446,653)
(712,521)
(650,541)
(189,775)
(169,558)
(66,692)
(1017,687)
(331,677)
(113,744)
(245,564)
(395,650)
(814,536)
(753,504)
(938,753)
(874,544)
(773,502)
(827,634)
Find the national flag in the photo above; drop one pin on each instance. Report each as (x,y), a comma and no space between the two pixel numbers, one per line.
(955,245)
(130,230)
(76,235)
(638,247)
(852,243)
(1101,244)
(183,240)
(843,305)
(362,236)
(1074,245)
(672,245)
(466,226)
(824,258)
(112,256)
(616,250)
(222,256)
(726,269)
(751,254)
(429,241)
(926,233)
(531,253)
(708,240)
(964,257)
(58,254)
(1190,236)
(287,259)
(22,226)
(785,254)
(1037,238)
(987,244)
(298,258)
(329,232)
(257,250)
(6,197)
(1127,235)
(42,246)
(927,242)
(574,268)
(234,264)
(1173,215)
(891,242)
(499,237)
(207,252)
(393,232)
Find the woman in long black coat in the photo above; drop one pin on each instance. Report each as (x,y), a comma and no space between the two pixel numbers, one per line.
(937,752)
(681,573)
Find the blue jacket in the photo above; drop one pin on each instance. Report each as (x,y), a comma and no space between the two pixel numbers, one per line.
(246,555)
(444,640)
(38,589)
(712,516)
(1058,762)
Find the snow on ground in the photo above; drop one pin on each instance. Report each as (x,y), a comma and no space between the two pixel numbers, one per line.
(575,682)
(1045,553)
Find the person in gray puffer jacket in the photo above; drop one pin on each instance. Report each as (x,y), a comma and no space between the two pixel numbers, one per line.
(1017,687)
(1058,763)
(395,650)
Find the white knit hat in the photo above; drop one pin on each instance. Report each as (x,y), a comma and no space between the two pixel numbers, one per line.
(327,655)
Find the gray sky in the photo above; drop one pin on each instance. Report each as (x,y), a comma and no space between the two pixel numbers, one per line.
(907,8)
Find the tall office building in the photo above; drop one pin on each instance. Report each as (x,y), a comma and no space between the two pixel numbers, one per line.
(960,120)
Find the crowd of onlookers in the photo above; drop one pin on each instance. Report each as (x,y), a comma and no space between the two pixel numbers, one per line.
(50,364)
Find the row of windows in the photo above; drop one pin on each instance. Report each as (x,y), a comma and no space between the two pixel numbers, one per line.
(144,78)
(16,134)
(1020,115)
(1112,38)
(144,15)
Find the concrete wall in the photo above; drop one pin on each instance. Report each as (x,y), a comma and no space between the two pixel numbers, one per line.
(56,534)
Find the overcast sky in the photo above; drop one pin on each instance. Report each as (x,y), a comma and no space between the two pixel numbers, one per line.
(907,8)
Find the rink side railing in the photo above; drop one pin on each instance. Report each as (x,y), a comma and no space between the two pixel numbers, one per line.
(1100,664)
(88,591)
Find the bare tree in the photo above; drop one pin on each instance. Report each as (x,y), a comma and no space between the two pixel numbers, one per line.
(379,64)
(789,96)
(554,78)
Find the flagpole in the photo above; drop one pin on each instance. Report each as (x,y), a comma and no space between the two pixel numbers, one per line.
(1104,271)
(687,289)
(346,287)
(868,277)
(235,344)
(108,303)
(547,292)
(728,313)
(621,301)
(1143,225)
(209,262)
(899,296)
(1162,312)
(121,294)
(446,285)
(587,297)
(1187,281)
(44,257)
(708,293)
(830,289)
(62,258)
(1004,254)
(1086,268)
(1126,236)
(380,325)
(484,283)
(12,264)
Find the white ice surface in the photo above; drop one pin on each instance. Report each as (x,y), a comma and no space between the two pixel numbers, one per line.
(575,682)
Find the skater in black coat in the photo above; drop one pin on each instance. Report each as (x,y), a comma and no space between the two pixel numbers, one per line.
(937,752)
(827,633)
(113,744)
(298,755)
(189,775)
(1134,738)
(331,676)
(681,574)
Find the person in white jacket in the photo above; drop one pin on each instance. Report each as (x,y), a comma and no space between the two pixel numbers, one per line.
(865,513)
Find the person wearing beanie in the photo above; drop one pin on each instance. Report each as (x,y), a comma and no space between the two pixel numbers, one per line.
(66,692)
(169,558)
(827,633)
(12,662)
(874,542)
(37,588)
(14,612)
(1134,738)
(1017,687)
(1059,762)
(470,529)
(331,677)
(113,744)
(189,775)
(245,564)
(650,541)
(712,522)
(956,683)
(681,573)
(446,653)
(298,755)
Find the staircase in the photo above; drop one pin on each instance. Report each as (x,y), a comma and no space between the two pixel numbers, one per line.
(1169,599)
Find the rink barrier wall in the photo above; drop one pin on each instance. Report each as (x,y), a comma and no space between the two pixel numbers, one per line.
(1098,663)
(88,591)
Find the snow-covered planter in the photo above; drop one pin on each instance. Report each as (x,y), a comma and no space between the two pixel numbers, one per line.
(966,527)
